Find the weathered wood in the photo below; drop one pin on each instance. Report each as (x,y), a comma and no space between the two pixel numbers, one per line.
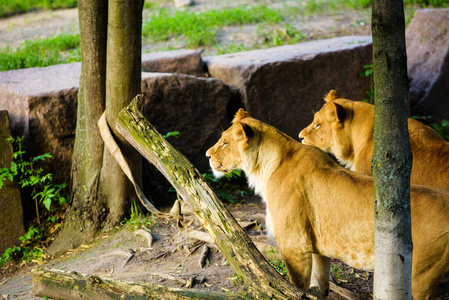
(260,279)
(65,285)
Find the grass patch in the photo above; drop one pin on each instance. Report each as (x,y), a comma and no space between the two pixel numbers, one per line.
(14,7)
(64,48)
(199,29)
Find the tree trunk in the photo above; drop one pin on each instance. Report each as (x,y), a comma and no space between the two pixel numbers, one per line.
(85,215)
(123,82)
(100,191)
(261,280)
(392,157)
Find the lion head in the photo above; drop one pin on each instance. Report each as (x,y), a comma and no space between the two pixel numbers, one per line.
(229,152)
(330,130)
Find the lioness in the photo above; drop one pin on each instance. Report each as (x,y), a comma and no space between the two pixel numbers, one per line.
(344,128)
(318,210)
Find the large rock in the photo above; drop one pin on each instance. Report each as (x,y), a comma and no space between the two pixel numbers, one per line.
(427,39)
(42,104)
(194,106)
(283,86)
(11,214)
(175,61)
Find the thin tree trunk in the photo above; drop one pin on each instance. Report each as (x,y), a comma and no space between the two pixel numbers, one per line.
(260,279)
(123,82)
(82,222)
(392,157)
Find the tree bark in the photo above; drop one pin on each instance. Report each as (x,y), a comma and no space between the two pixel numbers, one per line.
(85,214)
(100,191)
(123,82)
(64,285)
(260,279)
(392,157)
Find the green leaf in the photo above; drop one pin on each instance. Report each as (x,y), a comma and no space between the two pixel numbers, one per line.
(171,133)
(226,196)
(47,203)
(41,157)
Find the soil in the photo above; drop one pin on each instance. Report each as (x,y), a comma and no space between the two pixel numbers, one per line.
(173,259)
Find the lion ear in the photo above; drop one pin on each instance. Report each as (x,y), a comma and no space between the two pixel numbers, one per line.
(245,130)
(332,95)
(241,114)
(339,111)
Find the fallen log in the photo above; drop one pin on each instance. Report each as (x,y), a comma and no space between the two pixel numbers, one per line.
(57,284)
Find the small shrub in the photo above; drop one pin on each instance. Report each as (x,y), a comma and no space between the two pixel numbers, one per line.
(277,263)
(138,220)
(222,184)
(28,251)
(28,175)
(442,129)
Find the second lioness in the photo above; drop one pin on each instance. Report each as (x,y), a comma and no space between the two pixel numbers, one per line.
(344,128)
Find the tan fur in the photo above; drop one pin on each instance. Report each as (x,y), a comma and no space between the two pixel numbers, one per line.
(320,210)
(350,139)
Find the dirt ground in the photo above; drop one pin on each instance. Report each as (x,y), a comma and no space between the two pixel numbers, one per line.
(173,259)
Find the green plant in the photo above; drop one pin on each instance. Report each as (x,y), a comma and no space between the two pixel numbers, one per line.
(43,190)
(236,279)
(171,134)
(284,35)
(338,272)
(369,74)
(199,29)
(277,263)
(28,251)
(220,185)
(13,7)
(442,129)
(232,48)
(138,220)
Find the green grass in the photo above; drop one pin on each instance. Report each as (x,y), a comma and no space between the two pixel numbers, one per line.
(14,7)
(63,48)
(200,29)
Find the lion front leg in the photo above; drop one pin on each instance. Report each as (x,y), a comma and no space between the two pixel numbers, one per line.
(299,267)
(320,273)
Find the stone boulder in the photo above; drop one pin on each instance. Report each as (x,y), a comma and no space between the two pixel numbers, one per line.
(42,104)
(194,106)
(427,39)
(11,213)
(175,61)
(283,86)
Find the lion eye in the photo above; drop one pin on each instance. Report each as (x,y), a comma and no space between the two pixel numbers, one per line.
(316,126)
(223,145)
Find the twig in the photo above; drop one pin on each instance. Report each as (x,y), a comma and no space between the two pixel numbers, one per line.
(203,255)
